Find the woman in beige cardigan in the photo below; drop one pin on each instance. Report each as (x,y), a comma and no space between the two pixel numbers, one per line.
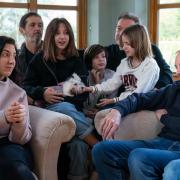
(15,129)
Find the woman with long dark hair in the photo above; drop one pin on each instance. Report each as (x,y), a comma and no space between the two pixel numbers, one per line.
(15,129)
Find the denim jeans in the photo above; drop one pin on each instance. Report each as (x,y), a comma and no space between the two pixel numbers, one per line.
(144,160)
(15,161)
(83,126)
(172,170)
(76,149)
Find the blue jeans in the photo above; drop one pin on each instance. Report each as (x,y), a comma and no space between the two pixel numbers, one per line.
(83,126)
(15,161)
(144,160)
(172,170)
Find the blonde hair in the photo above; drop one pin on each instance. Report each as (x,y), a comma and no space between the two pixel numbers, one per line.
(139,40)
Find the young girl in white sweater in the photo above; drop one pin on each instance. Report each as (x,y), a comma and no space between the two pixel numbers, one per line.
(138,72)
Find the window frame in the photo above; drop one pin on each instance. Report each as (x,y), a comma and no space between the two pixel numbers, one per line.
(81,9)
(155,6)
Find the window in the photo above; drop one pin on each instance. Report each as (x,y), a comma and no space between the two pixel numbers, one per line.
(165,27)
(74,10)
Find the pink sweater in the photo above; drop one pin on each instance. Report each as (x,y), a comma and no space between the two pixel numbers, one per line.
(17,132)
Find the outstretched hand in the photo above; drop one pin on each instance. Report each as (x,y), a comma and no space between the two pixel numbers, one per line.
(80,90)
(75,90)
(110,124)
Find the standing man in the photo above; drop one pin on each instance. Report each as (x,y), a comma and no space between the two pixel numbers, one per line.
(31,27)
(116,54)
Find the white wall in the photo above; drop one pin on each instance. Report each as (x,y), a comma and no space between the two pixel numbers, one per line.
(93,21)
(103,14)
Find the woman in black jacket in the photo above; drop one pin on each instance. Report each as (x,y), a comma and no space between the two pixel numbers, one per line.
(51,67)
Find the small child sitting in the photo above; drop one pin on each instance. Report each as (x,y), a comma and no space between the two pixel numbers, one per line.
(95,58)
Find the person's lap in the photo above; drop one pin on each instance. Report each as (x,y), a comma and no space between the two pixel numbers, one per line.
(113,155)
(15,159)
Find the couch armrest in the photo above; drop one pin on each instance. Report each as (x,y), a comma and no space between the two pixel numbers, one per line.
(140,125)
(50,130)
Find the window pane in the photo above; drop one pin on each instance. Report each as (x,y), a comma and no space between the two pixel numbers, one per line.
(15,1)
(9,23)
(71,16)
(169,36)
(169,1)
(60,2)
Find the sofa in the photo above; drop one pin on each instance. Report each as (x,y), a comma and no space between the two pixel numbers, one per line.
(50,130)
(140,125)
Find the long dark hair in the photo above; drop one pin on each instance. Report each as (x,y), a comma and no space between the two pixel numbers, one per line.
(8,40)
(49,46)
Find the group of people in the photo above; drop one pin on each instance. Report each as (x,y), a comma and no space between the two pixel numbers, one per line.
(125,76)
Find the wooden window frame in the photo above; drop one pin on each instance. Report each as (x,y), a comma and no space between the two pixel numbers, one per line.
(81,9)
(155,6)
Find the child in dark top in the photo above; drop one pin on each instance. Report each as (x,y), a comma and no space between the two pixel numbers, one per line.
(55,64)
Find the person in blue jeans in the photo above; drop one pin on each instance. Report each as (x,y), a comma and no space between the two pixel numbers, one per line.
(142,159)
(172,170)
(48,69)
(15,129)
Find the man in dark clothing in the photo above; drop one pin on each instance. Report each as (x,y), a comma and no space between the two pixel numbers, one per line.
(31,27)
(116,54)
(144,159)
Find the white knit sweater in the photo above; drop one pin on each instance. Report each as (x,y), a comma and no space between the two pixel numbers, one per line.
(140,79)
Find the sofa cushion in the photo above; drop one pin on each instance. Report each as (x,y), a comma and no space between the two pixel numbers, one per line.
(140,125)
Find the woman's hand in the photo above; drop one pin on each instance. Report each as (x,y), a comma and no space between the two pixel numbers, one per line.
(15,113)
(51,96)
(104,102)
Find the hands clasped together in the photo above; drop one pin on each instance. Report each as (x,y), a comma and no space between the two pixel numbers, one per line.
(15,113)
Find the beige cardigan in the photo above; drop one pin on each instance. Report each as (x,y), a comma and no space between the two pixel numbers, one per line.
(17,132)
